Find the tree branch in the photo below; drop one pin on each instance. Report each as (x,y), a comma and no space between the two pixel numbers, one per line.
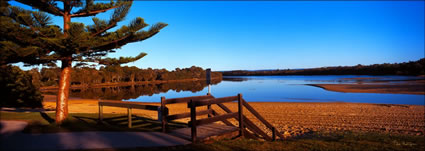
(101,31)
(32,28)
(92,12)
(37,31)
(110,44)
(56,9)
(43,6)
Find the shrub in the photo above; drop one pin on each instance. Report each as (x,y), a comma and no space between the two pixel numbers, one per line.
(17,89)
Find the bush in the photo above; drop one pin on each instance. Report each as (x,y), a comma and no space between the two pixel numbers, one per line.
(17,89)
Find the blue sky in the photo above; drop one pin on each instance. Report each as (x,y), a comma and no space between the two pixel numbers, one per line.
(232,35)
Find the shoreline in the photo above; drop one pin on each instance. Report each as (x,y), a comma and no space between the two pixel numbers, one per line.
(52,98)
(100,85)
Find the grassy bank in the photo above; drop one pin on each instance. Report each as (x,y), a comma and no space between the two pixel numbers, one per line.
(340,140)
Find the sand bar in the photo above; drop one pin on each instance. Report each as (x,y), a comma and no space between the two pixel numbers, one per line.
(404,87)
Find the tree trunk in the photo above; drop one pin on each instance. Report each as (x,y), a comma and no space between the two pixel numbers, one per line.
(65,77)
(63,93)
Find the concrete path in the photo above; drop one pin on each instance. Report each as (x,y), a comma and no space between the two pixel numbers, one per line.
(11,138)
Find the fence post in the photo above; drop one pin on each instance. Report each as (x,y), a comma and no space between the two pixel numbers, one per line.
(193,120)
(273,133)
(209,106)
(163,115)
(240,108)
(129,117)
(100,112)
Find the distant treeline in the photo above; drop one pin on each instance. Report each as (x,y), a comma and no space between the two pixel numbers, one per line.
(405,68)
(134,91)
(116,74)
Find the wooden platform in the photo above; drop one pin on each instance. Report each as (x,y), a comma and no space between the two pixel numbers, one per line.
(204,131)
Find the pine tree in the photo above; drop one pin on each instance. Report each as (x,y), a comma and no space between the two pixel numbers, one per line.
(30,37)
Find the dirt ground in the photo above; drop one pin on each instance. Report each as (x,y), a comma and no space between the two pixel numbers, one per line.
(293,119)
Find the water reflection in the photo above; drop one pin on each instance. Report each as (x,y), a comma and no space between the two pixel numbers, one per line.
(235,79)
(293,89)
(131,92)
(255,89)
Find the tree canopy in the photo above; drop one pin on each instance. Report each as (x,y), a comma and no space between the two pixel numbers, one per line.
(32,38)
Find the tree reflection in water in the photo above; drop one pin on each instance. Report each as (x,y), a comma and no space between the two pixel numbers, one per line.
(134,91)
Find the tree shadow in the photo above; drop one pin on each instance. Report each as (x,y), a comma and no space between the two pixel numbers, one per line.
(139,123)
(47,118)
(89,122)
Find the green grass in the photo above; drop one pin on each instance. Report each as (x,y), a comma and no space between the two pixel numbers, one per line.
(319,141)
(77,122)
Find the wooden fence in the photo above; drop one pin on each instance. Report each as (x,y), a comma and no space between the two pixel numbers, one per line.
(164,114)
(245,126)
(128,105)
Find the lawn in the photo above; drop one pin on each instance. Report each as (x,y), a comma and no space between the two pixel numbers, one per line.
(316,141)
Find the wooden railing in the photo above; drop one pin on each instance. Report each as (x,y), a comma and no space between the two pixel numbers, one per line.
(275,132)
(248,124)
(128,105)
(164,116)
(193,123)
(245,125)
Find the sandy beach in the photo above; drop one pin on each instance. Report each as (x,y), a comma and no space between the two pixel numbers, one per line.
(403,87)
(295,119)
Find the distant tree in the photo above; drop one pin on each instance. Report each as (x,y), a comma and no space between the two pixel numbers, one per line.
(404,68)
(30,37)
(130,73)
(17,90)
(49,76)
(35,76)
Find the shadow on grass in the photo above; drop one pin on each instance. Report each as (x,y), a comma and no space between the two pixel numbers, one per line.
(338,140)
(90,122)
(47,118)
(138,122)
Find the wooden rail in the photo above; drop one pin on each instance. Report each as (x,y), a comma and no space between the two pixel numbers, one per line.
(264,121)
(194,123)
(245,126)
(212,101)
(186,99)
(128,105)
(250,125)
(164,117)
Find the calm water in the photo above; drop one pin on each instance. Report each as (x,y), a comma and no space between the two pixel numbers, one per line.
(263,89)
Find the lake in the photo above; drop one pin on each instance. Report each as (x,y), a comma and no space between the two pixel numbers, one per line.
(255,89)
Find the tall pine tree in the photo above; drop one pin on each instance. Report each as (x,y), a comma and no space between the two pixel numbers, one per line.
(30,37)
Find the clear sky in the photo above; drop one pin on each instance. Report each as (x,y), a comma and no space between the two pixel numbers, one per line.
(232,35)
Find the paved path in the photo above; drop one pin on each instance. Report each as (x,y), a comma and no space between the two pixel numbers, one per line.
(11,138)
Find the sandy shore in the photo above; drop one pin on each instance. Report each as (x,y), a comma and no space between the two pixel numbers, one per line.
(298,118)
(407,87)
